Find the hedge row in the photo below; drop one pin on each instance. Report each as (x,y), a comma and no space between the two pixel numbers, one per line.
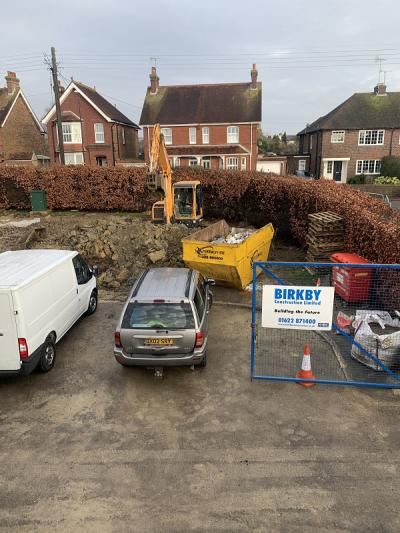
(372,228)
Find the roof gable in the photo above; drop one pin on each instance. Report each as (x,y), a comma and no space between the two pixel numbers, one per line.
(98,102)
(9,102)
(202,104)
(361,111)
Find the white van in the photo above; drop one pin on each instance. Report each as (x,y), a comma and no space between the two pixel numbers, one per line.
(42,294)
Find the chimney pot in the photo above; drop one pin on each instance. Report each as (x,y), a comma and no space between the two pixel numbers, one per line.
(254,74)
(12,82)
(154,81)
(380,89)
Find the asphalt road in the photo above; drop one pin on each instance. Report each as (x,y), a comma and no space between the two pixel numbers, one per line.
(93,447)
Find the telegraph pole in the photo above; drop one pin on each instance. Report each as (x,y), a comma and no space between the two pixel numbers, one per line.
(53,69)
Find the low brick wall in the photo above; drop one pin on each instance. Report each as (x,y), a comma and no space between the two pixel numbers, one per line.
(393,191)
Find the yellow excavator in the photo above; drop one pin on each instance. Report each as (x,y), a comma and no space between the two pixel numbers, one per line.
(183,200)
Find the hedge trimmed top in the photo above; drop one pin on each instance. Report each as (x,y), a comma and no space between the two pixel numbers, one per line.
(361,111)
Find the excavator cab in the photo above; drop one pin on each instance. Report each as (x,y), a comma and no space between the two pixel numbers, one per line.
(188,202)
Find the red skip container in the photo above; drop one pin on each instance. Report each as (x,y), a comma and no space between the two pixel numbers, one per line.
(352,284)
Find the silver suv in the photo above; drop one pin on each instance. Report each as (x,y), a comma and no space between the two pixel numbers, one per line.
(165,320)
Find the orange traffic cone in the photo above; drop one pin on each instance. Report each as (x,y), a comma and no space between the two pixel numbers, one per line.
(306,372)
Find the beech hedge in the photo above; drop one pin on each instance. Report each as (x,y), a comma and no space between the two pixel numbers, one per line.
(372,228)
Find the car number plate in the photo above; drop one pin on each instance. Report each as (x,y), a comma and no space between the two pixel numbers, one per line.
(160,341)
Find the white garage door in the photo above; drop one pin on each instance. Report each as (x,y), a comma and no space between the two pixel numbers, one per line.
(269,166)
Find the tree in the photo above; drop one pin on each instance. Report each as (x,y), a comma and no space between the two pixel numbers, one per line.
(262,142)
(284,138)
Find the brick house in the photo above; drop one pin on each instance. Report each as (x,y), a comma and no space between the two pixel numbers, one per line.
(214,126)
(95,132)
(22,137)
(354,137)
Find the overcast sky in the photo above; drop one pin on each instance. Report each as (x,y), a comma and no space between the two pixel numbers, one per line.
(311,54)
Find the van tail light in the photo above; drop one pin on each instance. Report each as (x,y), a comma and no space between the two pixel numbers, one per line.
(23,349)
(117,339)
(199,340)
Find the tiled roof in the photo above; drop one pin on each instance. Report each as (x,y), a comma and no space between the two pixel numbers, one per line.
(361,111)
(202,104)
(104,105)
(6,101)
(204,150)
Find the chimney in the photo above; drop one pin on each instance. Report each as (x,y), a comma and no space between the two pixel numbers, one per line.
(154,81)
(12,82)
(61,89)
(380,89)
(254,74)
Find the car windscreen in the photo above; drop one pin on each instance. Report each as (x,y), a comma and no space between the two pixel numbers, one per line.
(158,316)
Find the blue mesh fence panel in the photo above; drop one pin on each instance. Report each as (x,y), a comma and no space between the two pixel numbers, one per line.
(363,346)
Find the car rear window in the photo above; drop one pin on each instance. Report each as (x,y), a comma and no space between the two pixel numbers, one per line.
(158,316)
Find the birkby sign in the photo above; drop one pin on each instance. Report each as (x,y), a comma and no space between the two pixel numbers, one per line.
(292,307)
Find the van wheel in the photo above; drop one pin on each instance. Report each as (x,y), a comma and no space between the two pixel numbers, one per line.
(92,304)
(48,357)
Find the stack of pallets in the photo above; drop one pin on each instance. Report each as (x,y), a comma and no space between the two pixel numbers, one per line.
(325,236)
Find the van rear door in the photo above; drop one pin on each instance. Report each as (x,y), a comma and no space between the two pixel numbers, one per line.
(9,354)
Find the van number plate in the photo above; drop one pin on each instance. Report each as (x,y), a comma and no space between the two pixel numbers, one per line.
(160,341)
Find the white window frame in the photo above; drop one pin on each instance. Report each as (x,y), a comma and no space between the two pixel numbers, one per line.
(363,166)
(99,133)
(74,158)
(232,134)
(193,162)
(244,163)
(192,135)
(72,132)
(337,136)
(206,163)
(232,163)
(302,165)
(167,133)
(206,135)
(329,167)
(365,137)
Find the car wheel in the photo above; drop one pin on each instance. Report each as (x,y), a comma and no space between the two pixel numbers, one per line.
(92,304)
(203,361)
(48,356)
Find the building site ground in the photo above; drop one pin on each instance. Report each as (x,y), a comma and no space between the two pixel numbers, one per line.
(93,446)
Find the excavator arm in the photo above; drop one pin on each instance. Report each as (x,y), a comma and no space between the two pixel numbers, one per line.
(159,162)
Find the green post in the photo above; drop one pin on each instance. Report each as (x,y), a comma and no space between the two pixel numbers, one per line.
(38,200)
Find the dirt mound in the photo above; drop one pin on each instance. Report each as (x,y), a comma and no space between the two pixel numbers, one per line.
(122,246)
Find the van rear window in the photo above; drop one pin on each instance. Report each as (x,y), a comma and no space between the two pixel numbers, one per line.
(158,316)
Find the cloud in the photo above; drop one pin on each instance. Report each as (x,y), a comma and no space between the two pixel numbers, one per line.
(311,55)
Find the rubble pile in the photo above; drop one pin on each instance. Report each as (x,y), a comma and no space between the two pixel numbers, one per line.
(121,246)
(235,236)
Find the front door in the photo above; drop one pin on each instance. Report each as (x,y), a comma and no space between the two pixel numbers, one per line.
(337,170)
